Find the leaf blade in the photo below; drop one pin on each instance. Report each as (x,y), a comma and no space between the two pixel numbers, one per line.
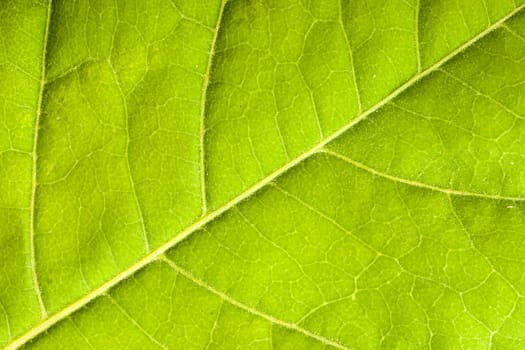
(251,190)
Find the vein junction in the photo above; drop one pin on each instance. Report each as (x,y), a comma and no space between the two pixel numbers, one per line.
(417,183)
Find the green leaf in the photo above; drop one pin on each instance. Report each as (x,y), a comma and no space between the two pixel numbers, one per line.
(261,174)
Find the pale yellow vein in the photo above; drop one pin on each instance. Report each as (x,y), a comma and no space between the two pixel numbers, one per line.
(417,183)
(34,167)
(252,310)
(205,87)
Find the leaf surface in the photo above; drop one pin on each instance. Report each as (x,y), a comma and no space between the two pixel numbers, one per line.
(262,174)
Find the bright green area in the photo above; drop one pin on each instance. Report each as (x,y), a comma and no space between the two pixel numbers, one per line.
(21,32)
(404,232)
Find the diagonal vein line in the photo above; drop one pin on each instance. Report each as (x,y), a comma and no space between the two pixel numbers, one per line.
(205,87)
(480,93)
(513,32)
(135,323)
(417,183)
(34,184)
(152,256)
(250,309)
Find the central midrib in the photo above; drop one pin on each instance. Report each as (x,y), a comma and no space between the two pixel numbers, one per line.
(155,254)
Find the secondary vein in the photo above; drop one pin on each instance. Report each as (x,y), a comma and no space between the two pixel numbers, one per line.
(252,310)
(417,183)
(351,56)
(418,50)
(205,86)
(34,183)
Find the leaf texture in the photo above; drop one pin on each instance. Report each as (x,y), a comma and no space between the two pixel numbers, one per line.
(262,174)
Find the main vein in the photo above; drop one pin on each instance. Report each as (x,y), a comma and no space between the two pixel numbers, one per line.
(210,216)
(34,166)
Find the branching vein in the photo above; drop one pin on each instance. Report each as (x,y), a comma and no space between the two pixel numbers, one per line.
(252,310)
(417,183)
